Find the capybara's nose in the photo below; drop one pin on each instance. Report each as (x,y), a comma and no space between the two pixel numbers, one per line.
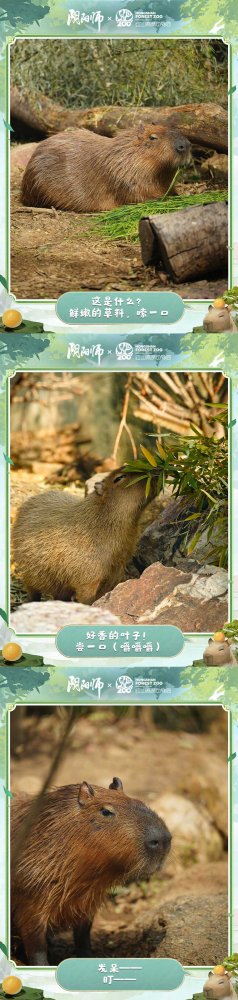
(158,839)
(182,145)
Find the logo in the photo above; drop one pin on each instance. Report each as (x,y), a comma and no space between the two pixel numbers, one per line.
(124,351)
(124,684)
(124,18)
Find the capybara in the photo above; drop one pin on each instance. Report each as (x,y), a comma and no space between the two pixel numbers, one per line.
(64,547)
(219,987)
(81,171)
(219,319)
(84,840)
(218,653)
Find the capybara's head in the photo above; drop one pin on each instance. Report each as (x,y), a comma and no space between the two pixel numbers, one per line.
(217,320)
(121,836)
(164,147)
(218,986)
(217,653)
(126,489)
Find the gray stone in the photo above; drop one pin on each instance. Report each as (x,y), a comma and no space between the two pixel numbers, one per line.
(49,616)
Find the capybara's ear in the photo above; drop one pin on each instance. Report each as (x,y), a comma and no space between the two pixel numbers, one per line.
(209,308)
(99,487)
(209,641)
(210,974)
(141,127)
(116,783)
(85,792)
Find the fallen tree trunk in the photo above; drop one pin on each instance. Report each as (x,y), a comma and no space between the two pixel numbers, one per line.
(189,244)
(205,125)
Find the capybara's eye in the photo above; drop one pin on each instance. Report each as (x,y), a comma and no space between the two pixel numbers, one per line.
(106,811)
(153,136)
(117,479)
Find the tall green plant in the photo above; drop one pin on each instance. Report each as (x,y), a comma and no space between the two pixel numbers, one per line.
(197,470)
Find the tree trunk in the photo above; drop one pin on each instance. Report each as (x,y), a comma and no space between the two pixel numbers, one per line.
(189,244)
(205,125)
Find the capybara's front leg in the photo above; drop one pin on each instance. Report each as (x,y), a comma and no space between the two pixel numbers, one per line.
(35,945)
(82,941)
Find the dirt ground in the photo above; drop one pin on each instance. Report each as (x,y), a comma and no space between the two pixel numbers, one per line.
(181,911)
(53,252)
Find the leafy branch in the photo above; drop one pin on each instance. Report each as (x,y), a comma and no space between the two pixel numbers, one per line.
(197,470)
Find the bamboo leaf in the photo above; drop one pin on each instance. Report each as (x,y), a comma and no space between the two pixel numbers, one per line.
(147,488)
(194,541)
(133,481)
(151,459)
(161,451)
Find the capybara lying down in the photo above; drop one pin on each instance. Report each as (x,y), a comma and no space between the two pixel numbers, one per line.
(82,171)
(219,987)
(64,547)
(218,653)
(219,319)
(84,840)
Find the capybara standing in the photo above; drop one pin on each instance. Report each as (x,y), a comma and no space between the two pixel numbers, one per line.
(82,171)
(84,840)
(64,547)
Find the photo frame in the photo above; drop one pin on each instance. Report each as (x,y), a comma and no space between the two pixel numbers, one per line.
(131,321)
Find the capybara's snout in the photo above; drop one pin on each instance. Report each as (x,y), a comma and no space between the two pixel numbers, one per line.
(157,843)
(182,148)
(158,839)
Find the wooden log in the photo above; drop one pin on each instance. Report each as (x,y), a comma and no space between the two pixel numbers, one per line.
(191,243)
(205,125)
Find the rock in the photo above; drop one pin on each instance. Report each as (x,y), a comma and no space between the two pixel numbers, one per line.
(195,837)
(159,545)
(207,794)
(196,930)
(164,595)
(50,616)
(20,155)
(191,929)
(216,167)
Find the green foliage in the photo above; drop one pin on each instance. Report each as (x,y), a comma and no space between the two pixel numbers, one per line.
(207,14)
(231,962)
(149,72)
(22,12)
(231,297)
(230,630)
(197,470)
(122,223)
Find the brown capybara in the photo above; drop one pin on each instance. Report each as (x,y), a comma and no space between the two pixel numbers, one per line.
(219,319)
(68,548)
(219,987)
(219,653)
(84,840)
(81,171)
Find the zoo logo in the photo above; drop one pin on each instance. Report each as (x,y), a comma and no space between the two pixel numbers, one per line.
(124,351)
(124,684)
(124,18)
